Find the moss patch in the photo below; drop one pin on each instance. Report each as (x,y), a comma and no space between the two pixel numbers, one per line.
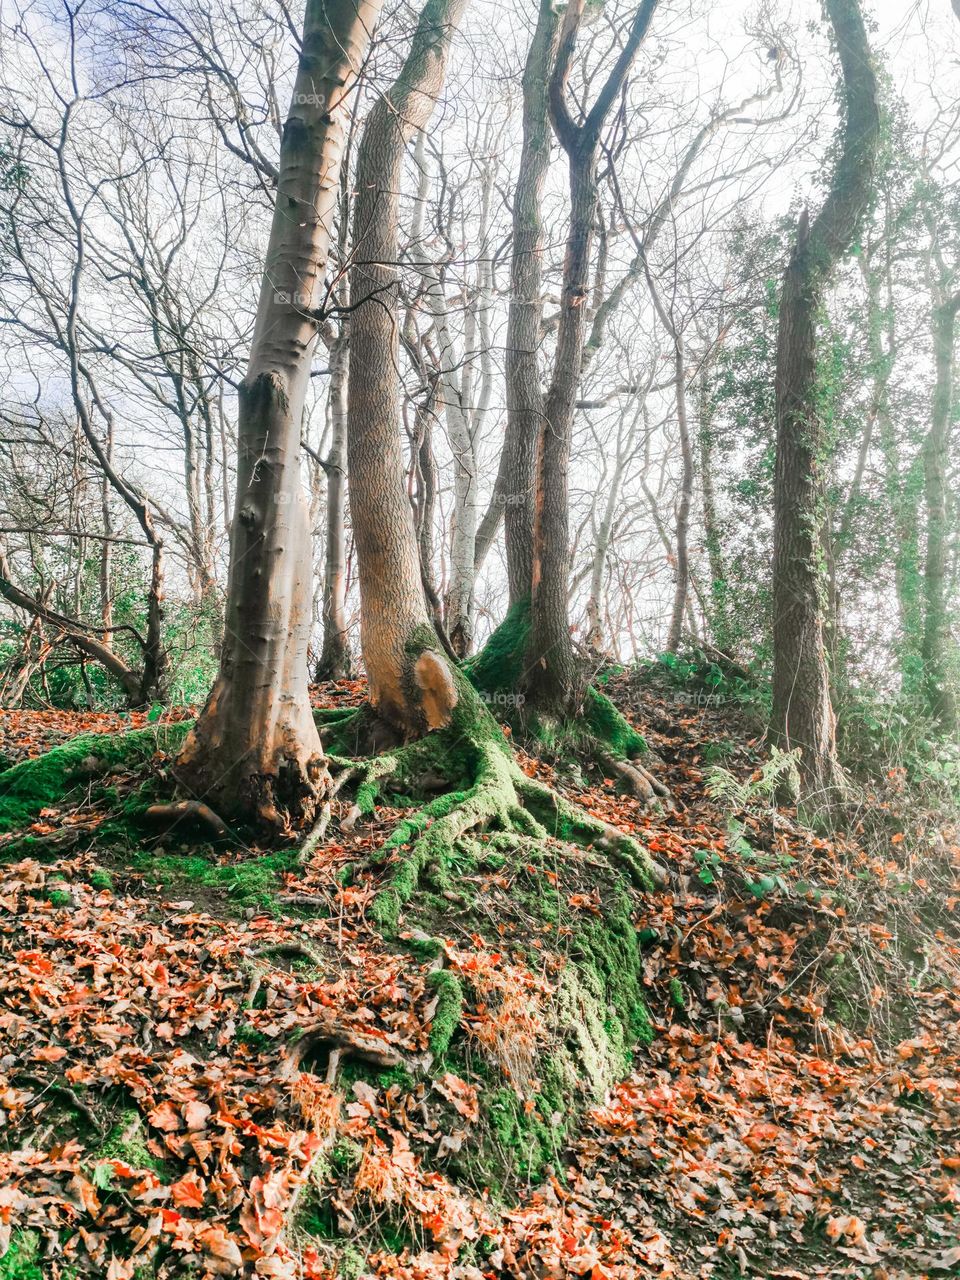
(446,1018)
(49,779)
(126,1142)
(22,1260)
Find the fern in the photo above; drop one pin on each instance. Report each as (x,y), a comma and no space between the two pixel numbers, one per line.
(761,786)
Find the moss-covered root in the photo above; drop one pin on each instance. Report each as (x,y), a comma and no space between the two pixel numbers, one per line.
(501,796)
(36,784)
(432,833)
(569,822)
(599,731)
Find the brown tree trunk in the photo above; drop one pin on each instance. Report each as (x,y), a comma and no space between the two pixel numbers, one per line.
(255,751)
(410,685)
(802,709)
(512,498)
(550,682)
(935,644)
(334,662)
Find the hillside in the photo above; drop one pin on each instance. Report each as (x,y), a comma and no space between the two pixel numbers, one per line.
(215,1064)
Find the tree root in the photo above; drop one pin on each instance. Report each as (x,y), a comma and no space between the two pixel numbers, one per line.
(638,780)
(70,1097)
(340,1040)
(499,795)
(169,814)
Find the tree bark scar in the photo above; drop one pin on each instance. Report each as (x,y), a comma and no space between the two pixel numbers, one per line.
(438,693)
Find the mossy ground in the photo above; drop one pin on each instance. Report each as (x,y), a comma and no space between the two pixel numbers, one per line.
(59,774)
(23,1260)
(440,871)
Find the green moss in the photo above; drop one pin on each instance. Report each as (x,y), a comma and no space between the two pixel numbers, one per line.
(425,842)
(22,1260)
(497,666)
(100,879)
(249,1035)
(345,1155)
(610,727)
(49,779)
(446,1018)
(677,998)
(351,1264)
(59,898)
(126,1142)
(250,883)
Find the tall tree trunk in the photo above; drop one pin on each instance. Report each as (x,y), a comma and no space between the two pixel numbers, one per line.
(936,460)
(454,385)
(718,614)
(802,709)
(512,498)
(682,521)
(550,682)
(255,750)
(410,683)
(334,662)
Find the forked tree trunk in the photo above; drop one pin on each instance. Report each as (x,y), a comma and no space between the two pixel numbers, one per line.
(936,462)
(550,683)
(255,751)
(512,498)
(802,708)
(410,685)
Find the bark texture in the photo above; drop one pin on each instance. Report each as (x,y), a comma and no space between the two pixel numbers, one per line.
(550,679)
(255,751)
(335,660)
(936,643)
(802,708)
(513,491)
(409,682)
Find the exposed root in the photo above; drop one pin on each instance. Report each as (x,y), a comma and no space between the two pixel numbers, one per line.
(339,1040)
(638,780)
(319,830)
(497,796)
(168,814)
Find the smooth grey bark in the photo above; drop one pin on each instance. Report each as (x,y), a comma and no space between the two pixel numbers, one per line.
(255,751)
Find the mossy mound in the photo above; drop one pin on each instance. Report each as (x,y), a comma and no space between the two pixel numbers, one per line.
(496,672)
(49,779)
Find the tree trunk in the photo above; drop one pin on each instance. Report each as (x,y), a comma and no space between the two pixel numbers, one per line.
(802,710)
(334,662)
(410,685)
(513,491)
(550,683)
(936,461)
(255,751)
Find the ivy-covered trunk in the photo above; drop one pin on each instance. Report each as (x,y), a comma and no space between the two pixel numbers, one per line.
(802,709)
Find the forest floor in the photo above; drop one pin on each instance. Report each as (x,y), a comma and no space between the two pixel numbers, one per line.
(187,1032)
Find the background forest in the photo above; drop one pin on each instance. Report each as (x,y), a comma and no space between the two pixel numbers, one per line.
(479,639)
(139,161)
